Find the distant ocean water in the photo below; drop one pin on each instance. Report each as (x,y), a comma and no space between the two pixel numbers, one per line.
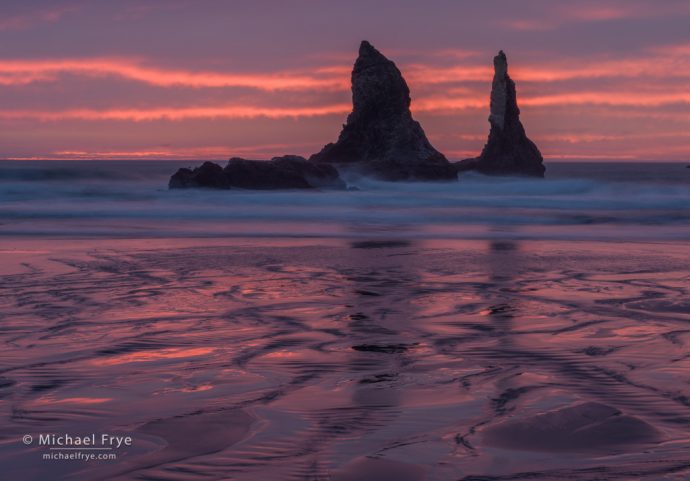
(130,198)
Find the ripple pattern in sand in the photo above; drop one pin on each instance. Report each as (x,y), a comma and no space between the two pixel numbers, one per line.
(383,359)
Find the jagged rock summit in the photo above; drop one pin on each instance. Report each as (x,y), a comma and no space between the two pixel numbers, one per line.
(380,137)
(508,150)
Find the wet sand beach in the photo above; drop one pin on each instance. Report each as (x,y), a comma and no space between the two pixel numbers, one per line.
(384,358)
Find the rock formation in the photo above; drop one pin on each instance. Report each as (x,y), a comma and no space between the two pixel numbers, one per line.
(287,172)
(508,150)
(209,175)
(380,137)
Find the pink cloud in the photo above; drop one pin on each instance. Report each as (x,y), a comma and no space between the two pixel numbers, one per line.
(658,62)
(560,14)
(175,114)
(26,70)
(182,153)
(30,19)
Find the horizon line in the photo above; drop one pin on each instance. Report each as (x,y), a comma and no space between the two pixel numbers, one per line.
(554,159)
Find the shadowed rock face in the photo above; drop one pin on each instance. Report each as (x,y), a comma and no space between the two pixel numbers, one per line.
(209,175)
(287,172)
(380,137)
(508,150)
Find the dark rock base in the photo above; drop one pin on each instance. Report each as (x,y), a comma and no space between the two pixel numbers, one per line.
(287,172)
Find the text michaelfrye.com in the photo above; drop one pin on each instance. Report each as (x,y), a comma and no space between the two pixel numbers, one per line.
(84,447)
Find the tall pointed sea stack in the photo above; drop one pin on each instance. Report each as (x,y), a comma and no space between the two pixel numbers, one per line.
(380,137)
(508,150)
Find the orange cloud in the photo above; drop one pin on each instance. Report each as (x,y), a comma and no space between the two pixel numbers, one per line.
(585,138)
(672,66)
(431,104)
(182,153)
(613,99)
(442,104)
(25,71)
(130,154)
(139,115)
(597,13)
(657,62)
(609,98)
(578,156)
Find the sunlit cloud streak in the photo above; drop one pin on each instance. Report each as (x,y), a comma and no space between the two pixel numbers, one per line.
(627,99)
(27,71)
(169,152)
(662,64)
(173,114)
(431,105)
(671,62)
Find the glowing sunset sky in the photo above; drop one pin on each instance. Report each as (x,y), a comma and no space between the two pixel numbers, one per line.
(211,79)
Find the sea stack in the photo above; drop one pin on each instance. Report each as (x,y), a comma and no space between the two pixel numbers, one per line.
(380,137)
(286,172)
(508,150)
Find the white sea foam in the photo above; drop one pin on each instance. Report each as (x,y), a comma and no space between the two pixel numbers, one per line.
(130,198)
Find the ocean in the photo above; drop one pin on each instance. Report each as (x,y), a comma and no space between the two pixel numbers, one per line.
(130,198)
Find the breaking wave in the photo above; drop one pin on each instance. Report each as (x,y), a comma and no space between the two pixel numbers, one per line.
(131,198)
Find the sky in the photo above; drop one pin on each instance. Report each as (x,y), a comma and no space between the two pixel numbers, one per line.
(211,79)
